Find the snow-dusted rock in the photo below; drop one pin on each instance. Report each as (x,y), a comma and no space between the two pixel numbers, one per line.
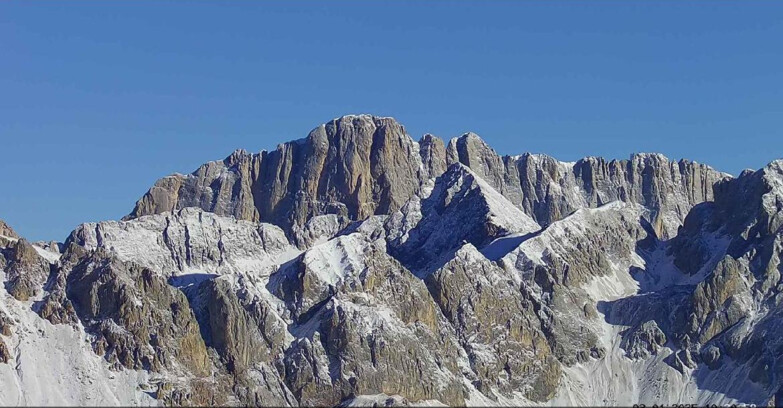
(461,207)
(356,166)
(404,272)
(190,241)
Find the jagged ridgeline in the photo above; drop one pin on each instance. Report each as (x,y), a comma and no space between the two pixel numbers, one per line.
(358,166)
(357,266)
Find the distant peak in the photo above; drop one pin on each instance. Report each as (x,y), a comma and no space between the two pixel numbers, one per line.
(776,164)
(364,117)
(6,230)
(470,137)
(235,157)
(428,138)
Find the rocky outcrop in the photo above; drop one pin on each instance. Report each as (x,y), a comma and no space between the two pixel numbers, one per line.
(7,231)
(559,266)
(56,307)
(6,324)
(246,330)
(26,271)
(189,240)
(461,207)
(365,325)
(643,340)
(496,325)
(141,322)
(549,190)
(722,312)
(433,151)
(416,273)
(5,354)
(354,166)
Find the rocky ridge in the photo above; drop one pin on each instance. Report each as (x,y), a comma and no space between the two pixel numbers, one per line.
(360,165)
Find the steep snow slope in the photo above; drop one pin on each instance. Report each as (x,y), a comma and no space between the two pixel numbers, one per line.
(55,364)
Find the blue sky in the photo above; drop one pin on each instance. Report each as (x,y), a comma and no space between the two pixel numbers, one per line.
(100,99)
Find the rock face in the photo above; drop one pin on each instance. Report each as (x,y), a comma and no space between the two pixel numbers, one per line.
(392,272)
(496,325)
(359,165)
(549,190)
(7,231)
(155,317)
(644,340)
(460,207)
(26,271)
(184,242)
(354,166)
(366,326)
(563,269)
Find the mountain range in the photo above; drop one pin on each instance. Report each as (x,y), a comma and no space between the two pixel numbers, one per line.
(358,266)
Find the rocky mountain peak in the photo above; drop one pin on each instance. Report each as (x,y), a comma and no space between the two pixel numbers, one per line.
(460,208)
(470,150)
(753,199)
(236,157)
(7,231)
(356,166)
(358,266)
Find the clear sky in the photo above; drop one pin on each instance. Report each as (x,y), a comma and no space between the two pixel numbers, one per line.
(100,99)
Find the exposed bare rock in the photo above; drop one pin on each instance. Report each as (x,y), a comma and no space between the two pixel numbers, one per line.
(560,266)
(365,326)
(5,354)
(496,325)
(141,322)
(223,187)
(549,190)
(473,152)
(7,231)
(359,165)
(394,272)
(461,207)
(248,333)
(433,155)
(6,324)
(318,229)
(189,240)
(26,270)
(354,166)
(643,340)
(244,334)
(56,307)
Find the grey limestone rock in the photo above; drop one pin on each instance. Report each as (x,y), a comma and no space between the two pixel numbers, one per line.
(496,325)
(7,231)
(461,207)
(354,166)
(26,271)
(644,340)
(360,165)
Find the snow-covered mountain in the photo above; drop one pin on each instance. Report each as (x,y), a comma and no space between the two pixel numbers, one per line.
(360,267)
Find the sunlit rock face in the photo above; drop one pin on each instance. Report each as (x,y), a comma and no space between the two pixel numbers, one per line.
(360,165)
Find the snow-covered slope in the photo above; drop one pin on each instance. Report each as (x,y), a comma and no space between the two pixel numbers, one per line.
(190,241)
